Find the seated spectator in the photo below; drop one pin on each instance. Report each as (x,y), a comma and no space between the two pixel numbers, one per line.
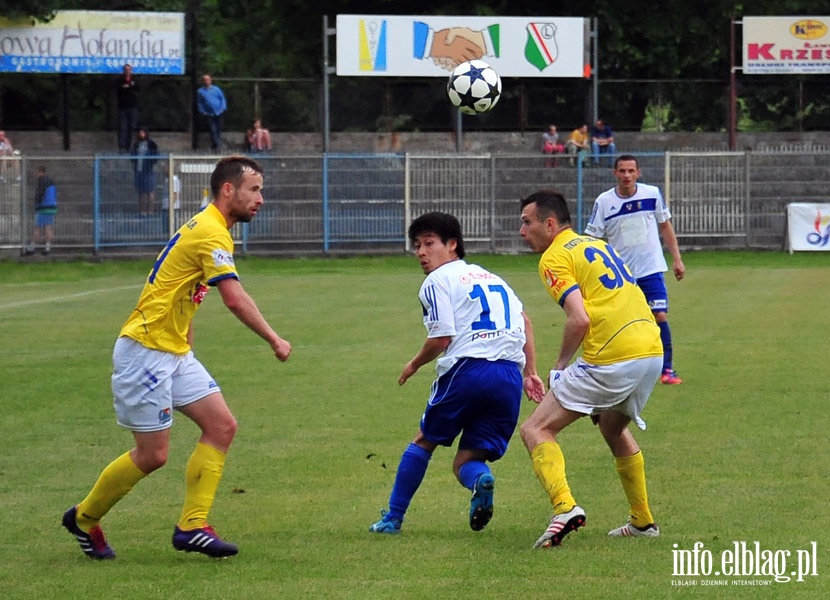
(249,140)
(602,142)
(578,145)
(260,140)
(551,145)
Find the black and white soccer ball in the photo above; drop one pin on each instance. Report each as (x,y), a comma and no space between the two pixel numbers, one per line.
(474,87)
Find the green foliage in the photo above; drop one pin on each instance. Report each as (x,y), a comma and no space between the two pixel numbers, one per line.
(37,9)
(730,454)
(680,40)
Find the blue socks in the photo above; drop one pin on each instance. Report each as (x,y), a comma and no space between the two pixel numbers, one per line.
(470,472)
(411,471)
(665,337)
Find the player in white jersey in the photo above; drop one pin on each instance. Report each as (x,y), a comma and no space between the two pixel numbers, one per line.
(633,217)
(483,343)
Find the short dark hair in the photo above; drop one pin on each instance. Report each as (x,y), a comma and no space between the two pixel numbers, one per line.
(229,169)
(444,225)
(549,203)
(623,157)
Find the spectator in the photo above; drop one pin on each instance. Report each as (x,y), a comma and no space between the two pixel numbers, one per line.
(10,168)
(578,145)
(260,141)
(602,141)
(249,140)
(210,102)
(551,145)
(126,92)
(145,150)
(46,207)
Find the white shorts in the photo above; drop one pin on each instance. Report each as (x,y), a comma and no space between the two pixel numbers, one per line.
(624,386)
(148,384)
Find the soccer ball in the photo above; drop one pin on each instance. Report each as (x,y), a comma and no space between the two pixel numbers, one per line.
(474,87)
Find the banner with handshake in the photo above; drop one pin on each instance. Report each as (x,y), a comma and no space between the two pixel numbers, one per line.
(434,46)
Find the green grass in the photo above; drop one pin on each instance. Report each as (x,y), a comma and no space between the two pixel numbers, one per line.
(739,452)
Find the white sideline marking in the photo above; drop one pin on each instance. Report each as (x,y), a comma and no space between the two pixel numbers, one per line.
(66,297)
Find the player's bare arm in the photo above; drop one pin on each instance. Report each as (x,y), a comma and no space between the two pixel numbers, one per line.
(670,240)
(432,349)
(576,326)
(237,300)
(533,385)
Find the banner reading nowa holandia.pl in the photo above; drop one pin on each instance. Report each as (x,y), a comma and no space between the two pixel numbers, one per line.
(94,42)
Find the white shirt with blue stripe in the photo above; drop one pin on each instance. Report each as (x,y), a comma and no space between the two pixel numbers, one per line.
(630,226)
(477,309)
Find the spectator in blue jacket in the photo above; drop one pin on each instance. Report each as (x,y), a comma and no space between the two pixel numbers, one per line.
(210,102)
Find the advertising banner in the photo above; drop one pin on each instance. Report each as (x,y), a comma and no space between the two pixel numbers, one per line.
(809,226)
(423,46)
(82,41)
(774,45)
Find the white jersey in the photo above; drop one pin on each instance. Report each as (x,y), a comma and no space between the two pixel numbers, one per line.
(630,226)
(477,309)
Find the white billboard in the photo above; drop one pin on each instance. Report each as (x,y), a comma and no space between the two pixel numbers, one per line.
(424,46)
(84,41)
(808,226)
(775,45)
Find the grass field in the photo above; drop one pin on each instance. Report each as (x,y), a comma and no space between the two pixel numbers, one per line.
(738,453)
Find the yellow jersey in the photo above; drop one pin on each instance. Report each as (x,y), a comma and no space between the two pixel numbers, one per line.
(579,138)
(621,324)
(199,255)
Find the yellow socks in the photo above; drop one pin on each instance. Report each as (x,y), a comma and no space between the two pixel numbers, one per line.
(631,470)
(204,470)
(115,481)
(549,466)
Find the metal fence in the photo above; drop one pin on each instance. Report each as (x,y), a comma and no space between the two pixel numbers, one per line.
(363,203)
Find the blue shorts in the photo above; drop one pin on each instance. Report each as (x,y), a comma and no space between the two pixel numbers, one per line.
(479,399)
(654,288)
(43,219)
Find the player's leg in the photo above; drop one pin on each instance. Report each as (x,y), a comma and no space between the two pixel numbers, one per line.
(440,425)
(196,395)
(539,433)
(207,462)
(471,471)
(630,466)
(493,391)
(669,375)
(657,296)
(119,477)
(142,402)
(411,471)
(202,476)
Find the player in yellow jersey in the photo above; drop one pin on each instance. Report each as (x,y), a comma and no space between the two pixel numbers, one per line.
(155,371)
(607,314)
